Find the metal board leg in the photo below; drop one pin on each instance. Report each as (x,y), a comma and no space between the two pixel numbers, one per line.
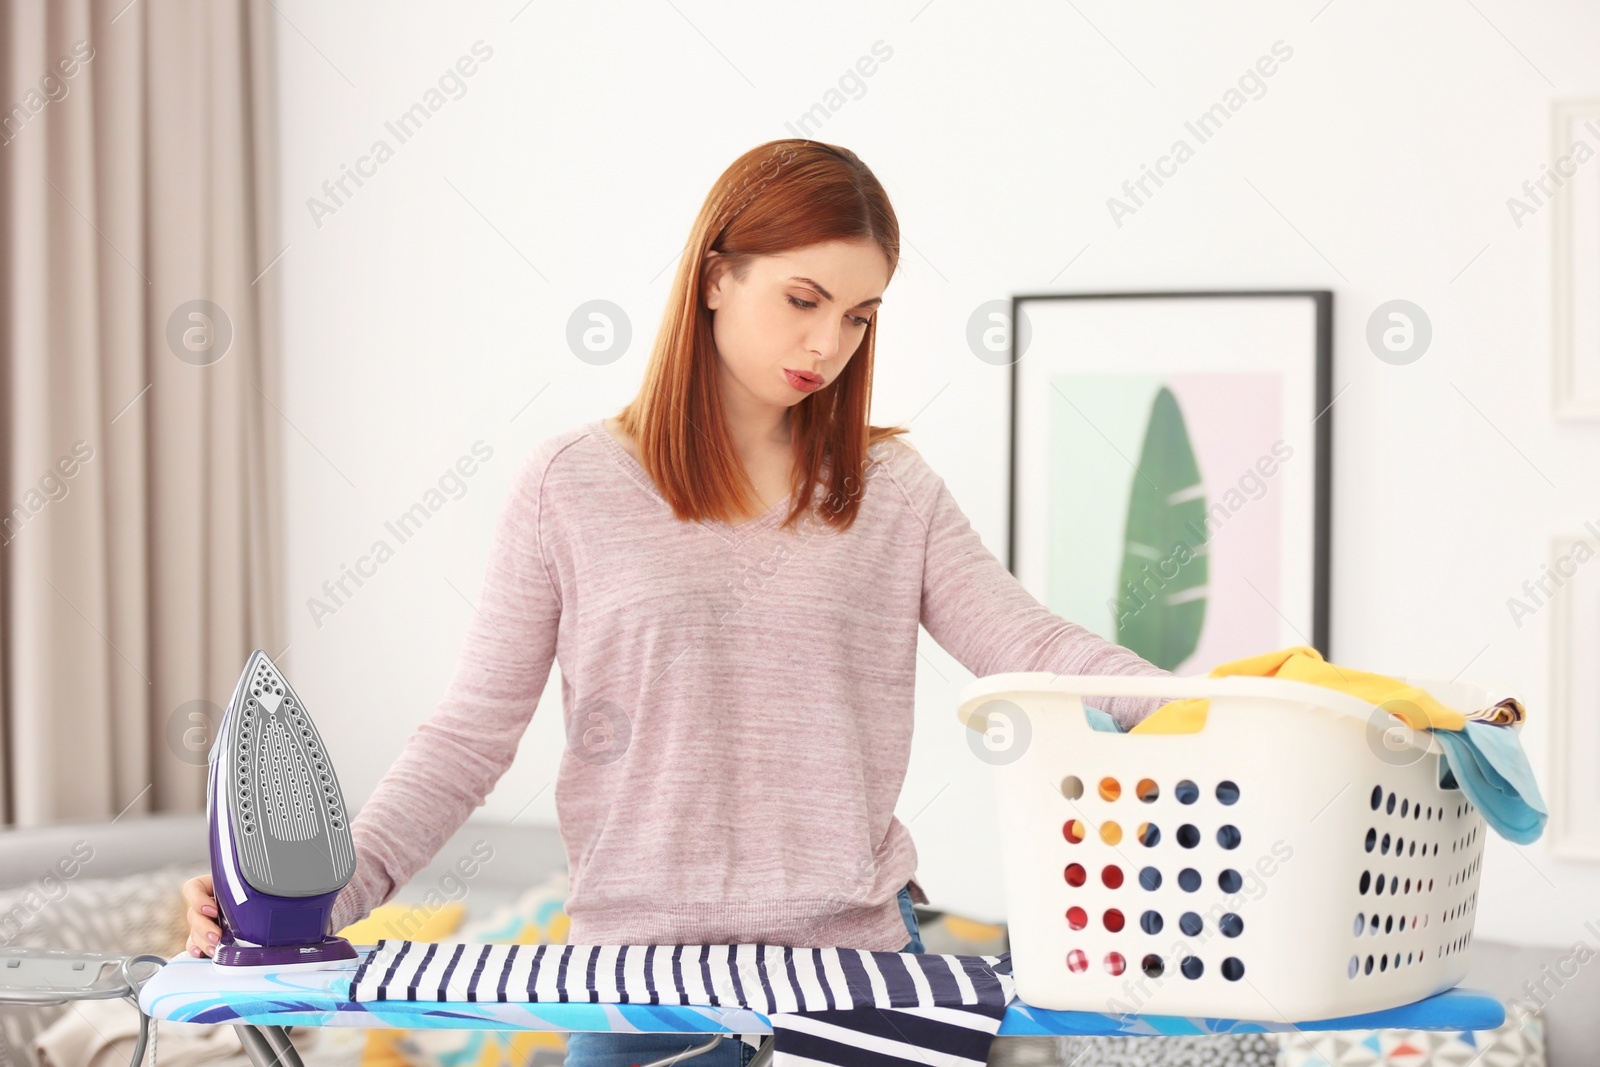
(262,1052)
(280,1039)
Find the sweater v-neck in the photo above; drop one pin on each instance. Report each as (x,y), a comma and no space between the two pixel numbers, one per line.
(636,470)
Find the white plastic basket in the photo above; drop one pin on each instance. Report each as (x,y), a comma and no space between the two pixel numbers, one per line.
(1305,862)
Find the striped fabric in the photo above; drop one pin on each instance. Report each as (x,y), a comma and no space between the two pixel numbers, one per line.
(826,1005)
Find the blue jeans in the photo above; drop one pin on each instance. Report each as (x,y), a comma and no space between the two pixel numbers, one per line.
(625,1050)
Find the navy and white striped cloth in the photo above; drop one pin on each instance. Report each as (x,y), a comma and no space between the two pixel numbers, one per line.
(826,1005)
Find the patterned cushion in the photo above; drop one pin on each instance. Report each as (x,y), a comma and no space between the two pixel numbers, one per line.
(946,933)
(1207,1050)
(538,917)
(141,912)
(1517,1043)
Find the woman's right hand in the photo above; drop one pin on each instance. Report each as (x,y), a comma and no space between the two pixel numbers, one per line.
(203,929)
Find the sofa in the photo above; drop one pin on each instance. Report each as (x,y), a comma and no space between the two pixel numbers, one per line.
(115,887)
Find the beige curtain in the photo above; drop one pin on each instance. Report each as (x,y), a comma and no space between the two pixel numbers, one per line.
(139,397)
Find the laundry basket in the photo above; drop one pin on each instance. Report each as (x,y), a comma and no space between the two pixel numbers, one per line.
(1296,859)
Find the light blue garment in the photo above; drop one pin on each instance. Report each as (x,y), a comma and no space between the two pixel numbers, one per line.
(1101,720)
(1487,763)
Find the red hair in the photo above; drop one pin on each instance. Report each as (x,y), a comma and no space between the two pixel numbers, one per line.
(779,196)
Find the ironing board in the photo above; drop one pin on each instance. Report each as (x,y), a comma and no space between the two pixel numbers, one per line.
(195,990)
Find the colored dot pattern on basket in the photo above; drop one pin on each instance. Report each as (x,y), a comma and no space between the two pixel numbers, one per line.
(1198,821)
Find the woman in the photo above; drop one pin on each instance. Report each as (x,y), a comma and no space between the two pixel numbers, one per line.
(732,573)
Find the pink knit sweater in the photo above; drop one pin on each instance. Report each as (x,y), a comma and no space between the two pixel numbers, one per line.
(737,699)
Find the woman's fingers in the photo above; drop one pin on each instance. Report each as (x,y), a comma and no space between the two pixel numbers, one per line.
(204,933)
(197,893)
(204,929)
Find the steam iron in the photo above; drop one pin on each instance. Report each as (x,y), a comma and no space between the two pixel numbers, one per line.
(281,848)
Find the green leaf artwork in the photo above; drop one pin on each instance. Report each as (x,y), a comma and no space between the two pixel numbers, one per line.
(1161,592)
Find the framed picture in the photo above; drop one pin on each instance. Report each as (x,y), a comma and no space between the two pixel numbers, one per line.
(1170,458)
(1575,271)
(1575,696)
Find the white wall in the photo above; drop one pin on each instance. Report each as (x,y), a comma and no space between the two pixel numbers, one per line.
(429,311)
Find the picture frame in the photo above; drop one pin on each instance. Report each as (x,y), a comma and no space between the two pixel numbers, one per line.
(1574,608)
(1575,263)
(1171,467)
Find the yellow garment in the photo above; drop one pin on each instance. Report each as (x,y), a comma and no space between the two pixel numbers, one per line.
(400,920)
(1302,663)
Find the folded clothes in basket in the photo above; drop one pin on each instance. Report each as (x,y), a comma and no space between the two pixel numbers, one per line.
(825,1004)
(1485,758)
